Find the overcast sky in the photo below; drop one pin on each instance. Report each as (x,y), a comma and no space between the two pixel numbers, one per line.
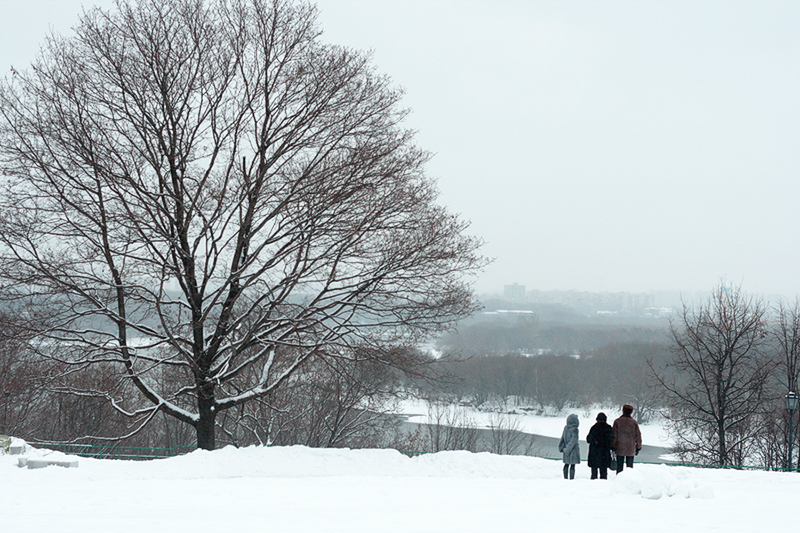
(600,146)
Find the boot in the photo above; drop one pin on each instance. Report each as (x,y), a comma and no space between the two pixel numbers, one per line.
(572,471)
(566,471)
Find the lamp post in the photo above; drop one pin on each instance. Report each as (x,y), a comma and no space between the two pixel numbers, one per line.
(791,404)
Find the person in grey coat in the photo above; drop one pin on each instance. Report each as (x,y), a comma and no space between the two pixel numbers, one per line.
(568,445)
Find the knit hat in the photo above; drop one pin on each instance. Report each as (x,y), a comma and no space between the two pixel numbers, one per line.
(601,417)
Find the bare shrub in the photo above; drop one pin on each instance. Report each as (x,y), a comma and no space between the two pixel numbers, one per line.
(450,427)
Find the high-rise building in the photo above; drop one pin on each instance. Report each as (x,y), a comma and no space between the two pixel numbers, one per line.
(514,292)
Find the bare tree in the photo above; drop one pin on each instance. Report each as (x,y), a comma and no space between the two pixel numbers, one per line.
(506,437)
(328,403)
(786,334)
(21,380)
(204,189)
(716,382)
(450,427)
(557,380)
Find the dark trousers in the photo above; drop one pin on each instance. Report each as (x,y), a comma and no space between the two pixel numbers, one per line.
(569,470)
(620,463)
(603,472)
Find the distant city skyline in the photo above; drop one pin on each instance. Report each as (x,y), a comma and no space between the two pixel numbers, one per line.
(655,298)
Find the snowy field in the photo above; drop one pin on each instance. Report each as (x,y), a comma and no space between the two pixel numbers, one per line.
(298,489)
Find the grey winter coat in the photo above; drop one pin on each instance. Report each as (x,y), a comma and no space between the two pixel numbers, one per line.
(568,445)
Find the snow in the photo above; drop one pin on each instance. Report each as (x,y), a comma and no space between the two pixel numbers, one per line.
(299,489)
(549,426)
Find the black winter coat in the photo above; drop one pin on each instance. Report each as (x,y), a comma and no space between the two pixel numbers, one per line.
(599,439)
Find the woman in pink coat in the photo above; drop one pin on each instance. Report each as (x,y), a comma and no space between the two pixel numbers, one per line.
(627,438)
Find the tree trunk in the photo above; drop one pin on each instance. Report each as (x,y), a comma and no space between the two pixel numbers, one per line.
(206,424)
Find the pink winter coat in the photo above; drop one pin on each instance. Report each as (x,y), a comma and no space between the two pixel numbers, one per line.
(627,437)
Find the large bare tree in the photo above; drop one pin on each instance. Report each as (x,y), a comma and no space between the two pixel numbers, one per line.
(716,382)
(207,196)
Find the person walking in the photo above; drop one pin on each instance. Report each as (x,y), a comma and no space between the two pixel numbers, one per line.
(600,437)
(568,445)
(627,438)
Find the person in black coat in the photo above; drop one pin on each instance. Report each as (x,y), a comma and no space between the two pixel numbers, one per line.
(599,439)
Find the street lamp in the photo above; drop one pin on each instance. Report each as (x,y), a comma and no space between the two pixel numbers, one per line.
(791,404)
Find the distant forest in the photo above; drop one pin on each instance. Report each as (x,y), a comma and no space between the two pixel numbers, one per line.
(549,357)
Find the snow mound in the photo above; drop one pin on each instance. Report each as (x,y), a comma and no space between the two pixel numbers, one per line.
(12,446)
(24,455)
(659,481)
(302,462)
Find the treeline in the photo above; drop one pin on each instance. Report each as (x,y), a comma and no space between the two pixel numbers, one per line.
(528,334)
(329,403)
(617,373)
(556,360)
(335,401)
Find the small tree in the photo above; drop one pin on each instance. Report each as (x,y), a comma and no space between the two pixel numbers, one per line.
(506,437)
(450,427)
(716,382)
(328,403)
(207,197)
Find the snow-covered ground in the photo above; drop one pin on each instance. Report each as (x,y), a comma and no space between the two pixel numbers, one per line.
(298,489)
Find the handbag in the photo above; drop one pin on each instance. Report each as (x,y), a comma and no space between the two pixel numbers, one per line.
(613,464)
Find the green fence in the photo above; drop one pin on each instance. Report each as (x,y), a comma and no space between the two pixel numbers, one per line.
(130,453)
(141,453)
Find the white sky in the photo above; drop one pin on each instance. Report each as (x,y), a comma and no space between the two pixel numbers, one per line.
(601,146)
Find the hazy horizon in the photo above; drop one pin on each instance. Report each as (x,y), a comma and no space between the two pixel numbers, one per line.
(598,146)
